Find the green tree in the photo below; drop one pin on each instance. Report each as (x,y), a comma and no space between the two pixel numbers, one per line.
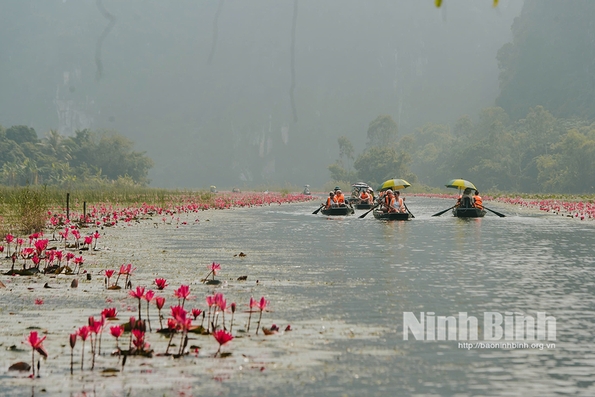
(382,131)
(377,164)
(21,134)
(571,166)
(107,153)
(432,147)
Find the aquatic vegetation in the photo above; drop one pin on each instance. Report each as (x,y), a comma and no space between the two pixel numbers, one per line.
(182,293)
(9,238)
(222,337)
(117,331)
(252,304)
(83,332)
(36,344)
(233,310)
(149,296)
(139,294)
(110,313)
(125,270)
(161,283)
(262,305)
(72,340)
(213,269)
(108,275)
(159,302)
(36,255)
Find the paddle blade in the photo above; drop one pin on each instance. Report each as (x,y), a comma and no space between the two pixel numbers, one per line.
(364,215)
(318,210)
(495,212)
(442,212)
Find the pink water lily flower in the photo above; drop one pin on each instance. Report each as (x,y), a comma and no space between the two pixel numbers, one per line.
(36,344)
(222,337)
(138,293)
(161,283)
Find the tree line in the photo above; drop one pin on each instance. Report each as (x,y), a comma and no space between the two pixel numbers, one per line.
(91,158)
(538,153)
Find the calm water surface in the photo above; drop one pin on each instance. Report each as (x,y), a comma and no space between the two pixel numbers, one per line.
(368,272)
(348,281)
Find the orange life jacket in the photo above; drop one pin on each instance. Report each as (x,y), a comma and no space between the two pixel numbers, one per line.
(364,196)
(340,198)
(330,201)
(478,201)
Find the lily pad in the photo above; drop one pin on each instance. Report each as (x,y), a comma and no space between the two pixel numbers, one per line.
(20,366)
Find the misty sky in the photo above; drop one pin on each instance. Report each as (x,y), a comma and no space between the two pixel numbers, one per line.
(204,86)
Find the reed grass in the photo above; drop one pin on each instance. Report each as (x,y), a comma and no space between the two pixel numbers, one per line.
(25,209)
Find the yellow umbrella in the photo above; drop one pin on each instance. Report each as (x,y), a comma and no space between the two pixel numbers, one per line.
(394,184)
(460,184)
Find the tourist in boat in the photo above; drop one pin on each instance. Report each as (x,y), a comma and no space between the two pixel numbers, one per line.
(399,204)
(331,201)
(365,197)
(466,200)
(393,203)
(340,197)
(477,201)
(385,199)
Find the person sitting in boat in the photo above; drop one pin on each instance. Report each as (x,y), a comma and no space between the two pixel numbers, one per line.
(382,199)
(477,201)
(340,198)
(399,204)
(331,201)
(466,200)
(365,197)
(390,204)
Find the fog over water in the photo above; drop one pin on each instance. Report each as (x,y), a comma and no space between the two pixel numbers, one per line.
(246,92)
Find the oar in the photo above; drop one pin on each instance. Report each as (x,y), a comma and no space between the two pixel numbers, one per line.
(413,216)
(316,212)
(364,215)
(497,213)
(442,212)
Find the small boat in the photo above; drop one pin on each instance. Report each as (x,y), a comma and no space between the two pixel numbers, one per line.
(472,212)
(363,206)
(357,189)
(391,216)
(338,211)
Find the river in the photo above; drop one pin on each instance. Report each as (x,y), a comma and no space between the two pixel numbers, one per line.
(345,285)
(366,273)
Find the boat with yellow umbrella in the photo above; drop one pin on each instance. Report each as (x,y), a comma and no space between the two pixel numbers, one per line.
(465,208)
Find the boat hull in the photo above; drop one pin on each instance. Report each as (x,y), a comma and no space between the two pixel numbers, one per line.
(468,212)
(391,216)
(363,206)
(338,211)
